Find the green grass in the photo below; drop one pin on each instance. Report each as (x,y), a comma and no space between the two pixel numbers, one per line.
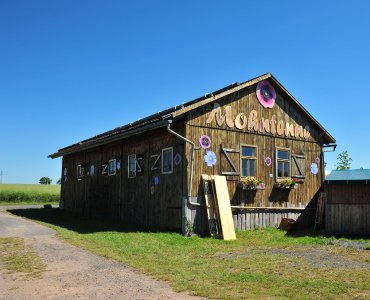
(20,258)
(29,193)
(260,264)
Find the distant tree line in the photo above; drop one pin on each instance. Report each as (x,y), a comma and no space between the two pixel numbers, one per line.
(45,180)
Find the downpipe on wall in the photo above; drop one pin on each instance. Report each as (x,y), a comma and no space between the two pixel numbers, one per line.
(185,219)
(193,148)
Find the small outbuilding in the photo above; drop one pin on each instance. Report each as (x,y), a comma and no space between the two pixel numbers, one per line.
(348,202)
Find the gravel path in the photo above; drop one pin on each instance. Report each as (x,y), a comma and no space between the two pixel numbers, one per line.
(72,272)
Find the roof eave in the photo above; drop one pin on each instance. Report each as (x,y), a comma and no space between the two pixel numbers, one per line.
(329,138)
(124,135)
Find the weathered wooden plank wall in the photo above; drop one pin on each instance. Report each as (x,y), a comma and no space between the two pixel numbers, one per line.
(352,219)
(139,199)
(245,219)
(248,219)
(348,209)
(225,136)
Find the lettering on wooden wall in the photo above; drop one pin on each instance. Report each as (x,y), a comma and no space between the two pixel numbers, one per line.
(253,123)
(104,169)
(220,116)
(139,165)
(155,165)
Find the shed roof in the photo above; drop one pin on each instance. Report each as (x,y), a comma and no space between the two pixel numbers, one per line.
(158,120)
(348,176)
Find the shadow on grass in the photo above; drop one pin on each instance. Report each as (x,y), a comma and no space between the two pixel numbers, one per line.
(320,233)
(83,225)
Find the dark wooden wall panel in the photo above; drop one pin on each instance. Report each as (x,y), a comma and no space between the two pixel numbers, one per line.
(128,199)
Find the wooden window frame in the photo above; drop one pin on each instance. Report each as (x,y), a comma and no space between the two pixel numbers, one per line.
(248,157)
(128,165)
(80,172)
(283,160)
(115,167)
(163,150)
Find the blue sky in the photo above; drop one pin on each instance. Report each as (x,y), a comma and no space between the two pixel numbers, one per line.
(72,69)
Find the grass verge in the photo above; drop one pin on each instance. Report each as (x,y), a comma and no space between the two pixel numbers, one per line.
(16,256)
(260,264)
(27,203)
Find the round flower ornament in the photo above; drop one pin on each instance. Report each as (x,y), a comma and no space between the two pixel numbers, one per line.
(92,170)
(317,160)
(268,161)
(205,141)
(314,168)
(266,94)
(177,159)
(210,158)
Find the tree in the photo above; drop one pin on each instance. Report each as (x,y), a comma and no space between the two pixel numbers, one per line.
(45,180)
(344,161)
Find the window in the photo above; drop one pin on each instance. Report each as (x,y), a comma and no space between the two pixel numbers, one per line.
(112,167)
(282,163)
(80,172)
(248,161)
(167,160)
(132,166)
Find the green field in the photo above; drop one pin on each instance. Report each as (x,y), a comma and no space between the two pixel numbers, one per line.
(260,264)
(29,193)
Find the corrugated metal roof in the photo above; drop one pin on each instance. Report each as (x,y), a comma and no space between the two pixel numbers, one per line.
(348,175)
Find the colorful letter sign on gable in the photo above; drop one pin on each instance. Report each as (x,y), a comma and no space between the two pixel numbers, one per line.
(253,122)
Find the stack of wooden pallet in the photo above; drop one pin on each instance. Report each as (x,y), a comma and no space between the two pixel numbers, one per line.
(217,200)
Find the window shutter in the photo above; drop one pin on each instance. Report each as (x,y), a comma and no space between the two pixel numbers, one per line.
(232,167)
(298,166)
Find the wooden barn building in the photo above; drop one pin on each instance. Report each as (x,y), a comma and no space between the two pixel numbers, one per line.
(149,172)
(348,202)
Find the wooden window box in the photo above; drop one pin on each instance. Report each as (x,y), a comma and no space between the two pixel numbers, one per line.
(250,187)
(285,187)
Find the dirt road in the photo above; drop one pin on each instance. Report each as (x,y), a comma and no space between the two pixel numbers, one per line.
(72,272)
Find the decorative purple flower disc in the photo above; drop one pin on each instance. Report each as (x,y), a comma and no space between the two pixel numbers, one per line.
(177,159)
(205,141)
(314,168)
(266,94)
(210,158)
(317,160)
(268,161)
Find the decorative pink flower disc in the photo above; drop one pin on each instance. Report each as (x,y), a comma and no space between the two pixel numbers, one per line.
(266,94)
(205,141)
